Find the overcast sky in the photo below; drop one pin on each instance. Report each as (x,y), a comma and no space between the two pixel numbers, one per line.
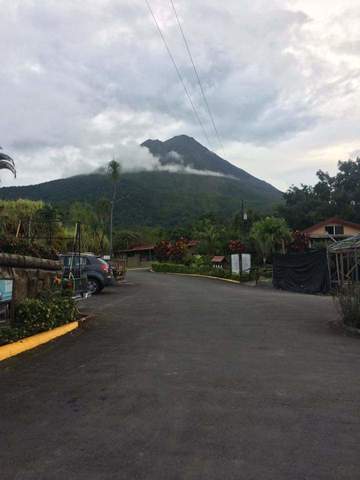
(81,81)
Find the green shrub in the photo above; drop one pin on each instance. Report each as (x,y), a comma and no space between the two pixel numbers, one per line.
(20,246)
(348,301)
(35,315)
(199,270)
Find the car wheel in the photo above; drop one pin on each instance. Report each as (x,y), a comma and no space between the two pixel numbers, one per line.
(94,286)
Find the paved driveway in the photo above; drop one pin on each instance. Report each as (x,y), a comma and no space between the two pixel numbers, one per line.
(187,378)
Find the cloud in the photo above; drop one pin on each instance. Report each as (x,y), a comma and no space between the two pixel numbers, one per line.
(82,82)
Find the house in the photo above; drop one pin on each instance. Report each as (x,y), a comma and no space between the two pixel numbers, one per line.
(137,255)
(331,229)
(219,261)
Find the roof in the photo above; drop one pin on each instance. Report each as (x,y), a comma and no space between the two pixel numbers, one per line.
(138,248)
(351,243)
(332,221)
(193,243)
(218,259)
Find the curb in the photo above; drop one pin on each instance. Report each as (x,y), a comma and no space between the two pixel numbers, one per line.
(28,343)
(203,276)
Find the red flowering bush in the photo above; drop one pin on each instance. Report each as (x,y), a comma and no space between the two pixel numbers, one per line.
(300,242)
(235,246)
(163,250)
(178,250)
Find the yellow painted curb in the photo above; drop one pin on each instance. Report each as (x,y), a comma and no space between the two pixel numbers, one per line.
(12,349)
(203,276)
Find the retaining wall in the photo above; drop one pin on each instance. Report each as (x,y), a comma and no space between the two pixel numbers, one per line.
(31,275)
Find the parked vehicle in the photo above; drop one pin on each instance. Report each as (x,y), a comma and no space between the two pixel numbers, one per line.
(99,273)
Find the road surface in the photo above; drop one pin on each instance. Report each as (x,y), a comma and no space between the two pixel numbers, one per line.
(187,378)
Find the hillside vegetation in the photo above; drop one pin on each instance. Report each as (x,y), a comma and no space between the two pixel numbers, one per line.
(160,197)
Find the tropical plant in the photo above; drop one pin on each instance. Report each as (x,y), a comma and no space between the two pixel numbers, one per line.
(163,250)
(209,235)
(178,250)
(269,235)
(7,163)
(123,239)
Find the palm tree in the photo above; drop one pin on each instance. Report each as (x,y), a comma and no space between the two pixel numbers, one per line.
(7,163)
(270,235)
(113,171)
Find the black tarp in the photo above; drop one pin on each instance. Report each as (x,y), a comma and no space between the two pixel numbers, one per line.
(302,272)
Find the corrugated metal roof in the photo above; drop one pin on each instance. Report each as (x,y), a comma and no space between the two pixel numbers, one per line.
(351,243)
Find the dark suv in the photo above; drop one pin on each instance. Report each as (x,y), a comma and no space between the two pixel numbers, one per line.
(99,272)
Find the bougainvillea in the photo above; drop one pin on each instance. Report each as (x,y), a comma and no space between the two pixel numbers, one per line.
(300,242)
(163,250)
(235,246)
(178,250)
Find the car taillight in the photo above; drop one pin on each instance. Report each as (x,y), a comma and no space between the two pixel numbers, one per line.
(104,267)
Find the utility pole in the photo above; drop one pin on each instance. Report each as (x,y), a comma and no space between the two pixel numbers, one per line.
(113,171)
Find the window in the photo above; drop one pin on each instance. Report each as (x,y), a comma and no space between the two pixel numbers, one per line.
(339,230)
(73,261)
(335,229)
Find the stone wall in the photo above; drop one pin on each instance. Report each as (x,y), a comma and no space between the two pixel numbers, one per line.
(31,275)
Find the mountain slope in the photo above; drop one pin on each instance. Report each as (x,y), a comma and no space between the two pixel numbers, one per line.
(160,197)
(196,156)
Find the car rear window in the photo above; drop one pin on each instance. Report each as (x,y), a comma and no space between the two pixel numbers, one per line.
(102,261)
(73,261)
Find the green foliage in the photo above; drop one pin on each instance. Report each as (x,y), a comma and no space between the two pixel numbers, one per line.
(348,301)
(114,170)
(94,221)
(269,235)
(20,246)
(149,199)
(199,270)
(16,214)
(32,316)
(331,196)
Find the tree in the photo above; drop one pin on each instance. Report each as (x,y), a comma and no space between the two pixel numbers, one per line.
(113,171)
(16,216)
(269,235)
(209,234)
(123,239)
(94,224)
(48,220)
(331,196)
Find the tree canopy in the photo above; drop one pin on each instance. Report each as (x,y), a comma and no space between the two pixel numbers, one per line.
(332,195)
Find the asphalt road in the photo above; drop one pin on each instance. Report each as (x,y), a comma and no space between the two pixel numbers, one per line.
(187,378)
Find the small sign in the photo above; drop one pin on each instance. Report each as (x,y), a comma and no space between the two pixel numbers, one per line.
(235,263)
(6,290)
(246,262)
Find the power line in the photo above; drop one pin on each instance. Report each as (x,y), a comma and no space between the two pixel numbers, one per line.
(186,43)
(197,117)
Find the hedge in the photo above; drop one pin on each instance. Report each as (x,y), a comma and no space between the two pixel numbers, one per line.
(212,272)
(35,315)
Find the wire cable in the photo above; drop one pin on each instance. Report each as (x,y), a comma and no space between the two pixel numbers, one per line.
(187,46)
(197,117)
